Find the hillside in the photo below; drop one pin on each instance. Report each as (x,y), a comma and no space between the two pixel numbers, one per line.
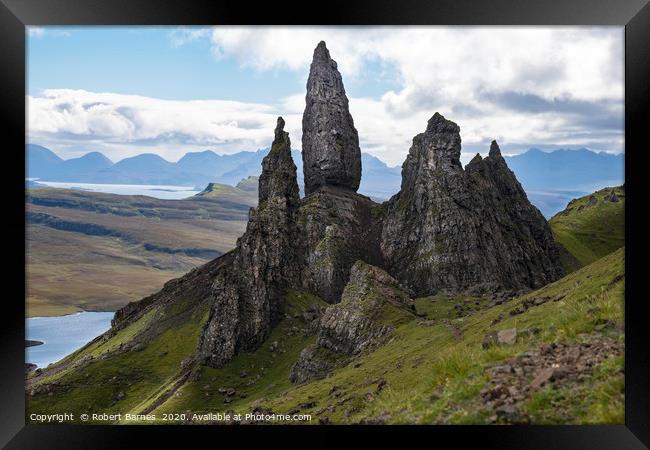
(591,226)
(447,304)
(245,192)
(138,368)
(96,251)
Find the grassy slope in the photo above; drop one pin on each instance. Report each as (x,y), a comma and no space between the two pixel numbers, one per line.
(272,368)
(245,192)
(589,232)
(433,376)
(140,374)
(146,374)
(433,370)
(68,271)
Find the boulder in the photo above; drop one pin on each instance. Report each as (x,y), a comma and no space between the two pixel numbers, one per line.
(507,337)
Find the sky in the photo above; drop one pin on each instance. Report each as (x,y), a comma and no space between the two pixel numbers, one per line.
(170,90)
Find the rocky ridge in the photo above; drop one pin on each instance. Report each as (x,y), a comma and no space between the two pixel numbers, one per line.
(371,302)
(248,294)
(448,229)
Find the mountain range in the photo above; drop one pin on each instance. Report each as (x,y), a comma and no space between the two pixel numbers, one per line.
(550,179)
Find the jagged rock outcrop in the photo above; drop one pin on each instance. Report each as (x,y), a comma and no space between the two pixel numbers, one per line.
(339,227)
(372,303)
(249,292)
(330,143)
(453,229)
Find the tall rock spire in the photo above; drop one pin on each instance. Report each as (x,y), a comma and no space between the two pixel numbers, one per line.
(330,143)
(278,177)
(250,286)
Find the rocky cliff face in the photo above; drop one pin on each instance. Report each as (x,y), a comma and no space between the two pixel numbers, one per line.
(330,143)
(339,227)
(249,293)
(371,304)
(454,229)
(531,255)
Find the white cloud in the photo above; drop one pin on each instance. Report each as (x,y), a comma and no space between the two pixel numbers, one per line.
(451,63)
(36,32)
(523,86)
(39,32)
(185,35)
(124,125)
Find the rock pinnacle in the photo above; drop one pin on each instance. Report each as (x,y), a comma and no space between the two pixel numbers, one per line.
(330,143)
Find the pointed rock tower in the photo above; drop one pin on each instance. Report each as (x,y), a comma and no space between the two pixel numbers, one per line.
(330,143)
(250,286)
(474,229)
(447,229)
(339,226)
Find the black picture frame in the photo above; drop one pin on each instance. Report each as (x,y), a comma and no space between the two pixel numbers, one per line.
(633,14)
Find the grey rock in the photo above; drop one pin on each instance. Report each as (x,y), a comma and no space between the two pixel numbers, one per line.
(353,325)
(508,412)
(507,337)
(338,227)
(560,372)
(592,200)
(458,230)
(541,377)
(506,368)
(448,229)
(249,290)
(489,339)
(330,143)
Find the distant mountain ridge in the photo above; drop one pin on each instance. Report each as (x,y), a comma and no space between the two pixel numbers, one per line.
(44,163)
(194,168)
(550,178)
(565,169)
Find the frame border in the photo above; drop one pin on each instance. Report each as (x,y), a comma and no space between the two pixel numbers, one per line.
(633,14)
